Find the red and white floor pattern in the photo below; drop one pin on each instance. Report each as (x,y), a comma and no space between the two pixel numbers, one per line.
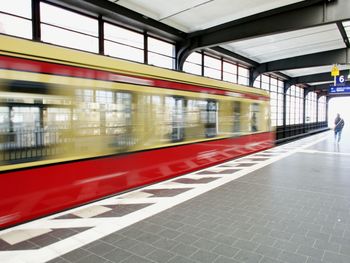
(53,236)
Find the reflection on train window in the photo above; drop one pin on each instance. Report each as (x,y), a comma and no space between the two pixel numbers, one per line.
(236,117)
(109,113)
(201,118)
(194,123)
(57,125)
(4,119)
(26,125)
(254,116)
(211,118)
(175,117)
(85,95)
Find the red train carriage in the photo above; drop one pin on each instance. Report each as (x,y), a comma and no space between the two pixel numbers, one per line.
(75,127)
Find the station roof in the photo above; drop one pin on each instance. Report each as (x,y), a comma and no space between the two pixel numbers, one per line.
(298,39)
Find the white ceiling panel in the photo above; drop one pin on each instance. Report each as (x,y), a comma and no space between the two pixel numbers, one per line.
(320,83)
(194,15)
(289,44)
(314,70)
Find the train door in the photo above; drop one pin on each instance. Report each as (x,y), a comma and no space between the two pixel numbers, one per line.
(176,117)
(254,117)
(211,118)
(236,118)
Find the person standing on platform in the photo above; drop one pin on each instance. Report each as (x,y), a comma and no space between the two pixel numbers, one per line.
(339,124)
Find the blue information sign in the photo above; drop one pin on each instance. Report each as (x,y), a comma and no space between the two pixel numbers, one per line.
(339,90)
(340,80)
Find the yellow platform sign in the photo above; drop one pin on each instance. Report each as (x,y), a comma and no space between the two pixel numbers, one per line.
(335,71)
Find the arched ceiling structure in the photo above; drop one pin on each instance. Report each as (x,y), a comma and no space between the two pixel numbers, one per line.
(298,39)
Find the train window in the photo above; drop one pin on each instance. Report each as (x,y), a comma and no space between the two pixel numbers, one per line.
(57,125)
(254,117)
(26,126)
(176,120)
(236,117)
(85,95)
(211,118)
(4,119)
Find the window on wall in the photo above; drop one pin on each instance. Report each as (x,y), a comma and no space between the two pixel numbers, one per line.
(294,99)
(322,104)
(193,64)
(62,27)
(161,53)
(229,72)
(212,67)
(243,75)
(299,94)
(257,82)
(311,105)
(15,18)
(123,43)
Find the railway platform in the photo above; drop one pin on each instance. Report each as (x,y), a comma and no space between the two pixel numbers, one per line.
(287,204)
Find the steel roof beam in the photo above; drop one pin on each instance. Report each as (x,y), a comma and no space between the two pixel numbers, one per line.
(292,17)
(300,15)
(338,56)
(320,77)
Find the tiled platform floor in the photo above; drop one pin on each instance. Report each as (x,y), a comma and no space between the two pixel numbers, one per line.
(289,204)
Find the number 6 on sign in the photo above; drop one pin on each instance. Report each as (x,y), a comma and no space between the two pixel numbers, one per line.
(340,79)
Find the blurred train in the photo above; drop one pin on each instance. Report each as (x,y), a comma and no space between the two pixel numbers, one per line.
(76,126)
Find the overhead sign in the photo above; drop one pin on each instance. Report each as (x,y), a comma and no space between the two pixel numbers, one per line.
(335,71)
(340,80)
(339,90)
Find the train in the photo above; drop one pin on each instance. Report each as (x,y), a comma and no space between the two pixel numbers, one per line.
(77,126)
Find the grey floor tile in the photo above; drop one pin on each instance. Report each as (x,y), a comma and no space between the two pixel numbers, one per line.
(292,257)
(268,251)
(184,250)
(247,245)
(125,243)
(248,257)
(180,259)
(225,239)
(325,245)
(225,250)
(222,259)
(101,248)
(331,257)
(136,259)
(169,233)
(141,249)
(165,243)
(187,238)
(91,259)
(286,245)
(160,256)
(76,255)
(310,252)
(204,256)
(205,244)
(117,255)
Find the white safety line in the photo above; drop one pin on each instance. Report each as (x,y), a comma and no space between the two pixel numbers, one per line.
(323,152)
(106,226)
